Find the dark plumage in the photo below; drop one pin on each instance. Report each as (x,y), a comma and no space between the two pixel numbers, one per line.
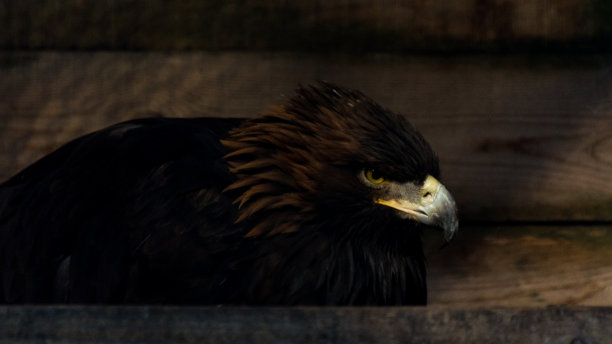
(318,202)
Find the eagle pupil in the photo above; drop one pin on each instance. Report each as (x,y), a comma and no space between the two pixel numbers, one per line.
(375,175)
(372,176)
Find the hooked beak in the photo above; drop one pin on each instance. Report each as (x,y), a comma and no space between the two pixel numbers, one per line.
(432,205)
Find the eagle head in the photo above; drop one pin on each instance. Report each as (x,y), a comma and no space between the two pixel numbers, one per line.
(334,160)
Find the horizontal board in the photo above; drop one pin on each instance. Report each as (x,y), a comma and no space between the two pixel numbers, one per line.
(79,324)
(303,325)
(372,25)
(527,266)
(520,138)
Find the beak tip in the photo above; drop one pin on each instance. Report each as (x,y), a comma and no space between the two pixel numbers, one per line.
(450,229)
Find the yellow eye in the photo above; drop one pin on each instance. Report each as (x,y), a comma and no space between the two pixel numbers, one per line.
(373,177)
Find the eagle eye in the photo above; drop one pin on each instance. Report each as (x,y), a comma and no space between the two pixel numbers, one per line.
(372,176)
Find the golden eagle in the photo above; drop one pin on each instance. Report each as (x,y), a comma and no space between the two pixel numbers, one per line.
(320,202)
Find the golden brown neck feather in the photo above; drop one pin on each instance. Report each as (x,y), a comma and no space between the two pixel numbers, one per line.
(277,159)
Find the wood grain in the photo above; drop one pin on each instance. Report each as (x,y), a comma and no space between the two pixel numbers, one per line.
(357,26)
(79,324)
(519,137)
(522,266)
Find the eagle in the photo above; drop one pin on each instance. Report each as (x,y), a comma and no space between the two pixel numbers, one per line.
(321,201)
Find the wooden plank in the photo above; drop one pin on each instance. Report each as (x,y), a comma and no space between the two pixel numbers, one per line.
(526,266)
(79,324)
(519,137)
(372,25)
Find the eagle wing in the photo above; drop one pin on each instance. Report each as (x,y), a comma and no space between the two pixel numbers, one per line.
(89,221)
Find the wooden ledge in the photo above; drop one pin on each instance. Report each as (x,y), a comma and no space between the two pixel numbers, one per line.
(157,324)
